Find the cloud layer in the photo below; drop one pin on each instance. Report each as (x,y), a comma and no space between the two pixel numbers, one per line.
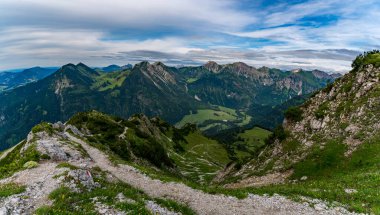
(312,34)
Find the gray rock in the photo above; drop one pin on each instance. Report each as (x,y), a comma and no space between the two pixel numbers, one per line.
(83,177)
(157,209)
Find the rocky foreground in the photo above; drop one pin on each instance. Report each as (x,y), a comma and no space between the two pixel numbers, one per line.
(65,145)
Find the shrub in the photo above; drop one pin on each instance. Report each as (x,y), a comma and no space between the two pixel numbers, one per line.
(294,114)
(30,164)
(328,88)
(371,57)
(44,126)
(347,87)
(320,113)
(152,151)
(279,133)
(290,146)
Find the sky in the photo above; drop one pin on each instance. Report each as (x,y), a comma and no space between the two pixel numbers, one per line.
(309,34)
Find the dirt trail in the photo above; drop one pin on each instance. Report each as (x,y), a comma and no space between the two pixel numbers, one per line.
(200,202)
(39,184)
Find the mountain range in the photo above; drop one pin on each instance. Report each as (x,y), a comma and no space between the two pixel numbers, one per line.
(324,156)
(235,94)
(11,80)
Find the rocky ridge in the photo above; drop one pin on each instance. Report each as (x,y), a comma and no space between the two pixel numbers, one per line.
(69,161)
(345,113)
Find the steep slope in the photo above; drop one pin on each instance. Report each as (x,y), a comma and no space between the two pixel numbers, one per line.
(332,140)
(56,97)
(155,89)
(11,80)
(60,172)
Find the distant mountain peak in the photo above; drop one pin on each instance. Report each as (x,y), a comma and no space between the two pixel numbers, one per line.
(320,74)
(212,66)
(67,66)
(159,63)
(81,64)
(241,64)
(141,64)
(297,70)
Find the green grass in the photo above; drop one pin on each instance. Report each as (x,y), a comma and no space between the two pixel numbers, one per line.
(44,126)
(251,141)
(255,134)
(219,116)
(191,80)
(15,161)
(10,189)
(371,57)
(294,114)
(66,165)
(206,114)
(322,110)
(184,151)
(175,206)
(329,174)
(201,159)
(109,81)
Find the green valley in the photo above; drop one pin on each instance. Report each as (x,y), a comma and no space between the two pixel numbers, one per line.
(234,95)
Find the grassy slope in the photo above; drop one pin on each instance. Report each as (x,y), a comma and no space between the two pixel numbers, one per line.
(330,174)
(253,139)
(199,159)
(202,158)
(14,161)
(108,81)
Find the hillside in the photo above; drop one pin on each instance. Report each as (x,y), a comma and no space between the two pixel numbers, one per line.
(328,147)
(183,152)
(98,164)
(238,91)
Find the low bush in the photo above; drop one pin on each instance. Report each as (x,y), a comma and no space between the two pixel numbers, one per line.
(294,114)
(320,113)
(279,133)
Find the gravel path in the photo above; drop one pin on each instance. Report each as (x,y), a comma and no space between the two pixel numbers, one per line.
(39,184)
(200,202)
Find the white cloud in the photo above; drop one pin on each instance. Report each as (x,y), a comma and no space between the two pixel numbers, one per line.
(356,26)
(56,32)
(117,14)
(46,47)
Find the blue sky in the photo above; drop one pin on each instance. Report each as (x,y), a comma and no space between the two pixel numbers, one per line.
(310,34)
